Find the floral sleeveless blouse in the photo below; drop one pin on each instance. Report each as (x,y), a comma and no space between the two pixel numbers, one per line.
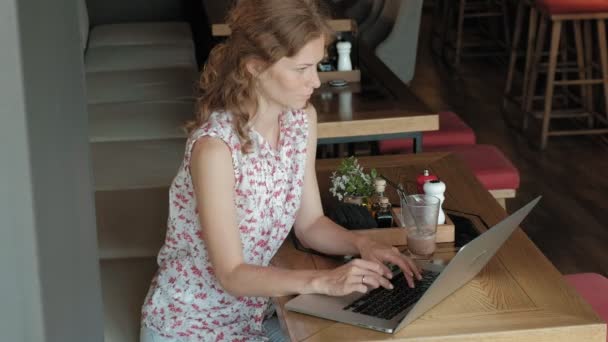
(185,300)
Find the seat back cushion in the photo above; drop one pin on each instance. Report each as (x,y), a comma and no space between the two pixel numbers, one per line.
(398,50)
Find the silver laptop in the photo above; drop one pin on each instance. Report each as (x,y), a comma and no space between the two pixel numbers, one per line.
(389,311)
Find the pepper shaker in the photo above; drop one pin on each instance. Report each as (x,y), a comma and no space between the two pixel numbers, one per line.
(344,63)
(437,188)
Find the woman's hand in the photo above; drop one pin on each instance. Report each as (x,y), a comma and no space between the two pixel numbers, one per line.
(356,276)
(380,254)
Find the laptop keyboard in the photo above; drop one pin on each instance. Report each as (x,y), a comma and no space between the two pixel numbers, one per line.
(386,304)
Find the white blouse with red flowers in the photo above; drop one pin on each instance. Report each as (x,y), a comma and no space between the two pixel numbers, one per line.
(185,299)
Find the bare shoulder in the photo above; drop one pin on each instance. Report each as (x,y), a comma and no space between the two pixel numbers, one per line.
(311,113)
(210,151)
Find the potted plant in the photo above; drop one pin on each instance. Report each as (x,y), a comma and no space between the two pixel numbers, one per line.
(349,183)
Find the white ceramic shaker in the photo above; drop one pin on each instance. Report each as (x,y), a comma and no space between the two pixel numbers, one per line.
(344,63)
(436,188)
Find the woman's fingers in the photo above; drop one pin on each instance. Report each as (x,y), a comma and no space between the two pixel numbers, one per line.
(373,280)
(361,288)
(369,265)
(368,273)
(417,271)
(409,269)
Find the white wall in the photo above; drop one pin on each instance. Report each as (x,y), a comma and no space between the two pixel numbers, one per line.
(49,274)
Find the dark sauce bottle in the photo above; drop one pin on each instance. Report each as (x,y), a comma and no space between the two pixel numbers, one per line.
(384,216)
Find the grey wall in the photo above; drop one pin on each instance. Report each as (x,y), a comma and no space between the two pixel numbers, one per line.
(120,11)
(49,274)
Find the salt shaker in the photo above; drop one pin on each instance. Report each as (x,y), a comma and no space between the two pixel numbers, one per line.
(344,63)
(436,188)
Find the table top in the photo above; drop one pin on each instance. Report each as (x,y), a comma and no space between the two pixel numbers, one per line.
(518,296)
(217,11)
(361,110)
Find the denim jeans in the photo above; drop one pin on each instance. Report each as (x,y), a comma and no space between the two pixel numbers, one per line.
(271,327)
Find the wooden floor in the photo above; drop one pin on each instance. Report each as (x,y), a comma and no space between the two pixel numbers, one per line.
(571,173)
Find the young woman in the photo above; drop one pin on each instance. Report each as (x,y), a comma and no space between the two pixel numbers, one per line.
(247,177)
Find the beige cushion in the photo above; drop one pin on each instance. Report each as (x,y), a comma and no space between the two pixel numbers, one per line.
(155,33)
(141,85)
(137,57)
(136,164)
(131,223)
(398,50)
(377,30)
(124,285)
(133,121)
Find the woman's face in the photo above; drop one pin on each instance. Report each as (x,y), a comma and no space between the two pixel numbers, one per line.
(290,82)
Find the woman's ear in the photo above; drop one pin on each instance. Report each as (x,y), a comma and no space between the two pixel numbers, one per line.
(254,66)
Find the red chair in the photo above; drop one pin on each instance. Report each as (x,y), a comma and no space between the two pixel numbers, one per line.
(593,288)
(487,162)
(452,131)
(572,6)
(491,167)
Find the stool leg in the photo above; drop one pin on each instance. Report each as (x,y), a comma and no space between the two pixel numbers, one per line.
(459,30)
(601,37)
(553,53)
(536,58)
(506,26)
(519,23)
(589,69)
(580,64)
(532,28)
(564,59)
(438,27)
(445,26)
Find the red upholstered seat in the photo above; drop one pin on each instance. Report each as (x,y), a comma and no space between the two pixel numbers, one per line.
(572,6)
(593,288)
(488,163)
(452,131)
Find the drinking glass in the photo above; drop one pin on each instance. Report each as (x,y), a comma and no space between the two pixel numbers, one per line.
(419,218)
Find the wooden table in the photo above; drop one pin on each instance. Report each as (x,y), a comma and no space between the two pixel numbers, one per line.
(519,296)
(367,112)
(217,11)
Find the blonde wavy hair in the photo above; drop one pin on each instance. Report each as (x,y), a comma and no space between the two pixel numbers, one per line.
(264,30)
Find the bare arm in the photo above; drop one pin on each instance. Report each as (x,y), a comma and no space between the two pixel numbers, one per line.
(312,227)
(213,178)
(317,231)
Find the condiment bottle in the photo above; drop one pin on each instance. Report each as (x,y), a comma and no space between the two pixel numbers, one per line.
(379,187)
(384,216)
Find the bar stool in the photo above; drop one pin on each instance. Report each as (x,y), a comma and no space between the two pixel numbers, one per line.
(522,7)
(449,19)
(578,13)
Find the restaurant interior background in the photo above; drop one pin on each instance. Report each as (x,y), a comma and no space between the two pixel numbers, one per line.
(568,226)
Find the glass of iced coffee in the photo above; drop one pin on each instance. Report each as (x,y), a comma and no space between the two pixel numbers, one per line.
(419,218)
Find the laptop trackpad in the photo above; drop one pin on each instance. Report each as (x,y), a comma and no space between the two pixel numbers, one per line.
(333,308)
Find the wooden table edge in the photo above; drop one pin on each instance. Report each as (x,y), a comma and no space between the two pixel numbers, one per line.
(420,122)
(338,25)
